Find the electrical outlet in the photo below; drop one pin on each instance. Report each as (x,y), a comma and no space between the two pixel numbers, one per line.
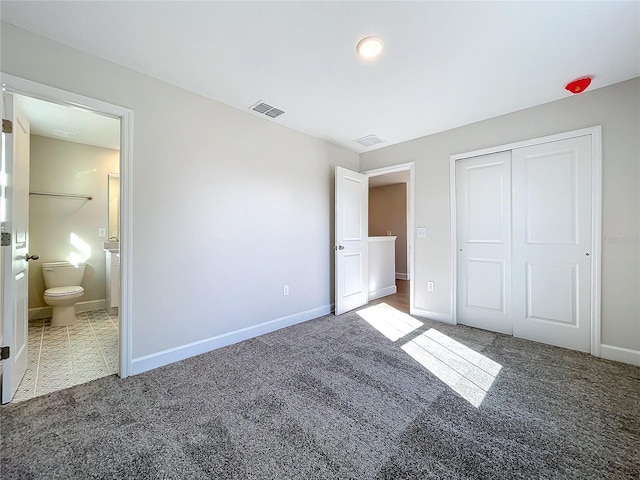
(102,232)
(430,286)
(421,232)
(388,233)
(285,290)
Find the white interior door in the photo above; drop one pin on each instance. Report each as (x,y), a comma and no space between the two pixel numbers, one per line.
(352,240)
(483,215)
(552,242)
(16,273)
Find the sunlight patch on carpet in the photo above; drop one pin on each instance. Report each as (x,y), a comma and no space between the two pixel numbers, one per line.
(465,371)
(390,322)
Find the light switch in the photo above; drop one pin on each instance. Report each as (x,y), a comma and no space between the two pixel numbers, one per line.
(421,232)
(102,232)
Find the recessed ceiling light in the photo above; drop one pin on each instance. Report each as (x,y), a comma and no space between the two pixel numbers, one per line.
(370,47)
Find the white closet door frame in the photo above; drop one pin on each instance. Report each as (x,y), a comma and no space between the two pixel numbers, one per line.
(596,214)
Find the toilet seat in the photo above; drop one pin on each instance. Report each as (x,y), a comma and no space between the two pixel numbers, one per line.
(64,291)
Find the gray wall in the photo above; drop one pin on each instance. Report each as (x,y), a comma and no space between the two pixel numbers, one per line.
(227,207)
(617,109)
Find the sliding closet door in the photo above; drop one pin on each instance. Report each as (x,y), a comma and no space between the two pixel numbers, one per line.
(552,243)
(483,205)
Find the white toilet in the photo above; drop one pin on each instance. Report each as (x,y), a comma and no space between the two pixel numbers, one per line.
(62,282)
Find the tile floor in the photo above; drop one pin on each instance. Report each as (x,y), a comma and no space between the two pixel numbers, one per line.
(60,357)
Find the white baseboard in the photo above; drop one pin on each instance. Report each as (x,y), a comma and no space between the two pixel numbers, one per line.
(439,317)
(171,355)
(619,354)
(383,292)
(402,276)
(88,306)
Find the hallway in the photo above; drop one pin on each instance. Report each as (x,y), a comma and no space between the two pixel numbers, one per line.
(399,300)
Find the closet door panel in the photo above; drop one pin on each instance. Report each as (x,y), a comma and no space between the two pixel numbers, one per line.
(552,231)
(483,213)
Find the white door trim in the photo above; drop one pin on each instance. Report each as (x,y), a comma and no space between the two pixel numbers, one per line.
(33,89)
(410,167)
(596,214)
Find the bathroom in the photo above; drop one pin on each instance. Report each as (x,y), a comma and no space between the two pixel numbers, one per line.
(73,210)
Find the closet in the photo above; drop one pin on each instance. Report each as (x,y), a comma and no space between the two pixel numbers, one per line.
(524,236)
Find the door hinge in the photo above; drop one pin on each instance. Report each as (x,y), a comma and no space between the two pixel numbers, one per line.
(4,353)
(5,239)
(7,126)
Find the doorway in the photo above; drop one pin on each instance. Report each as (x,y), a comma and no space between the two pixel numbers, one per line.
(113,352)
(390,215)
(526,239)
(71,156)
(352,277)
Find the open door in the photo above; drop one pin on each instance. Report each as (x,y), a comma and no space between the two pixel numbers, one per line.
(352,240)
(15,160)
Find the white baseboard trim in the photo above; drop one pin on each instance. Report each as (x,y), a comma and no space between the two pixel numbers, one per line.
(402,276)
(171,355)
(383,292)
(619,354)
(88,306)
(438,317)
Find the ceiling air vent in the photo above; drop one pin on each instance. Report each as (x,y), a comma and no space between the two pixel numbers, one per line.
(64,133)
(266,109)
(369,140)
(273,113)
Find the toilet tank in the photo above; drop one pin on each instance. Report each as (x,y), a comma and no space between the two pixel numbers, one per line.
(62,274)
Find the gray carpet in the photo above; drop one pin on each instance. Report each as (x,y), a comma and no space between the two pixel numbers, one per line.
(333,398)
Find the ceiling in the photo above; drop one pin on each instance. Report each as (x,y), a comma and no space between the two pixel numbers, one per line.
(70,124)
(389,179)
(445,64)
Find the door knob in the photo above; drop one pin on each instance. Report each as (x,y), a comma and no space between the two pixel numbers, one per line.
(28,257)
(339,247)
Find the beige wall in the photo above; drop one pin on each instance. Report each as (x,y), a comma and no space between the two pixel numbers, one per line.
(388,212)
(227,207)
(617,109)
(65,167)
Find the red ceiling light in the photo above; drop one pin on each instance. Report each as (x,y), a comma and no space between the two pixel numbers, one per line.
(579,85)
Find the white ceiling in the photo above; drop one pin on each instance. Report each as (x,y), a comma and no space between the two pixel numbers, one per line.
(58,121)
(445,64)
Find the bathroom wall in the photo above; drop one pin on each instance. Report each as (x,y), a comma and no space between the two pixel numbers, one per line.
(617,109)
(65,228)
(114,205)
(388,211)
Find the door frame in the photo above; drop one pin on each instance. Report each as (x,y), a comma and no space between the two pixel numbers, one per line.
(411,195)
(22,86)
(596,217)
